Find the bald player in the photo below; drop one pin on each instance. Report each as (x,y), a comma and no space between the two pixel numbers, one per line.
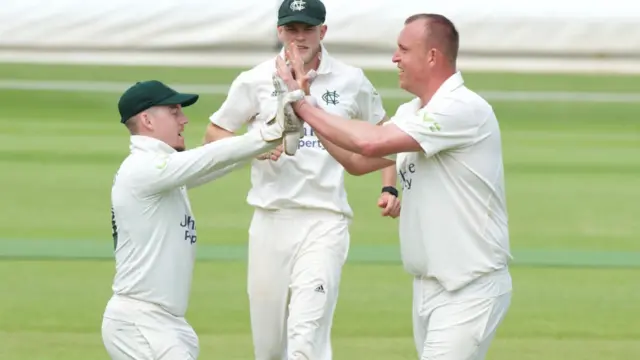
(154,230)
(453,226)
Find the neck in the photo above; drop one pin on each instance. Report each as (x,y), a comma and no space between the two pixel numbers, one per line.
(314,64)
(433,85)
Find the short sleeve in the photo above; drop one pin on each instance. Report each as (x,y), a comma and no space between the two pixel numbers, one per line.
(369,103)
(440,131)
(239,106)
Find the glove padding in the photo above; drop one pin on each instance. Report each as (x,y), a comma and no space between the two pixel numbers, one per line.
(285,125)
(293,126)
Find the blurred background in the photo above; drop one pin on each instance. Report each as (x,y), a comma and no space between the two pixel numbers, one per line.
(562,76)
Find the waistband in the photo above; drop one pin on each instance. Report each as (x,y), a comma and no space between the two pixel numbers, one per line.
(496,274)
(118,303)
(318,214)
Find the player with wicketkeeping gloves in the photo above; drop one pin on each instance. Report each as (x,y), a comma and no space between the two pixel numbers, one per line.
(299,233)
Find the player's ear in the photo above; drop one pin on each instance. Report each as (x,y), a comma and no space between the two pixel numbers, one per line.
(431,56)
(144,121)
(280,30)
(323,31)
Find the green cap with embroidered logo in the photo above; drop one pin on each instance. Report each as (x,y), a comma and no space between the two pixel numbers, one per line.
(310,12)
(145,94)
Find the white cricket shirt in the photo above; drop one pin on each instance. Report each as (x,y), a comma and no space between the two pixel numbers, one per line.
(453,223)
(311,178)
(153,227)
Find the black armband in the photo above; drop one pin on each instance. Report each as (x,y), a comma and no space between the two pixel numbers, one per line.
(391,190)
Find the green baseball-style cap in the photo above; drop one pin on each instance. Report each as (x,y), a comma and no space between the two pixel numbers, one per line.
(145,94)
(310,12)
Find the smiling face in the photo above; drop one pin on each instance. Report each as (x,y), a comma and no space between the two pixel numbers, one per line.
(305,37)
(415,60)
(165,123)
(426,54)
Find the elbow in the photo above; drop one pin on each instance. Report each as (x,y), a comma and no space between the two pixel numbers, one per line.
(214,133)
(355,170)
(367,148)
(352,166)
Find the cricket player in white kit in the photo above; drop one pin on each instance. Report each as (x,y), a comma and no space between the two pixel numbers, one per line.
(453,227)
(154,230)
(299,234)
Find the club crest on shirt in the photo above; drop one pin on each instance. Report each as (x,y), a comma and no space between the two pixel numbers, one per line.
(331,97)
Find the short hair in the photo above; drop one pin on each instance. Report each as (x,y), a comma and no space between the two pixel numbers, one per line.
(442,30)
(132,124)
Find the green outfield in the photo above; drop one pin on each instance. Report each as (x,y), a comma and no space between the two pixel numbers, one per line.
(572,173)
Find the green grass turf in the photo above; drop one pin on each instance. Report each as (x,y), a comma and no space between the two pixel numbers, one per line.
(572,172)
(557,314)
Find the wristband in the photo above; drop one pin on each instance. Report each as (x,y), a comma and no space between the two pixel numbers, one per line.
(391,190)
(311,100)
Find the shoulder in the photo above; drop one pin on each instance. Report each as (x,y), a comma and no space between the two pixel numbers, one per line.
(257,74)
(462,103)
(344,70)
(410,107)
(137,168)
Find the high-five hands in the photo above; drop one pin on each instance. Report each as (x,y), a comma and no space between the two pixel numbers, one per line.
(291,70)
(291,84)
(293,128)
(285,126)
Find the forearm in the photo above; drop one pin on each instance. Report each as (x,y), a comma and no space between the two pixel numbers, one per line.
(192,165)
(217,174)
(355,136)
(230,150)
(355,164)
(214,133)
(389,175)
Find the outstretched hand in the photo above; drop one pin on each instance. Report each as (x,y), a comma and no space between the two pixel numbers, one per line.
(291,70)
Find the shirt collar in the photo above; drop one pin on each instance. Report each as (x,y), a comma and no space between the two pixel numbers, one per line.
(453,82)
(141,143)
(325,60)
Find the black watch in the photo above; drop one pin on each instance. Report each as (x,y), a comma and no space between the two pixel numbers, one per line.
(391,190)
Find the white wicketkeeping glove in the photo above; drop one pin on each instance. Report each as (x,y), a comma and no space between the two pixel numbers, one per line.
(293,126)
(286,125)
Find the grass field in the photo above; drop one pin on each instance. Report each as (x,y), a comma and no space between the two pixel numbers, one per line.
(572,172)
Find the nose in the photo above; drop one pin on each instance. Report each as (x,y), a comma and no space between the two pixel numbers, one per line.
(395,58)
(299,36)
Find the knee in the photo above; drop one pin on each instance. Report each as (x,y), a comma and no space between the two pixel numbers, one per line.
(299,351)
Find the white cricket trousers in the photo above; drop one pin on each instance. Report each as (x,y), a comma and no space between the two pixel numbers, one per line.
(459,325)
(295,264)
(136,330)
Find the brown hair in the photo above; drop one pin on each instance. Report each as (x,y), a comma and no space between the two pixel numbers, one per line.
(442,31)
